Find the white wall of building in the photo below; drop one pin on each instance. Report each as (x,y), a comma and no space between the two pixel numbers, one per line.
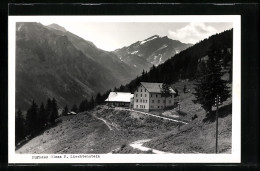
(143,100)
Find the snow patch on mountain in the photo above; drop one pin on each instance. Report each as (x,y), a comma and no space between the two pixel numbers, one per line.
(160,60)
(149,39)
(164,46)
(134,52)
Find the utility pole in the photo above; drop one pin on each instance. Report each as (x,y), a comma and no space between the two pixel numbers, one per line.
(217,103)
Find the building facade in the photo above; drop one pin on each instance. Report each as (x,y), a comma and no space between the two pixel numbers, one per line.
(148,96)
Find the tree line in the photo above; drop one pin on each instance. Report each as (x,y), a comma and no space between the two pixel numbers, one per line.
(36,120)
(88,104)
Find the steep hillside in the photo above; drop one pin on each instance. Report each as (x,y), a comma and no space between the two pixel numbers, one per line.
(154,50)
(121,70)
(49,65)
(98,131)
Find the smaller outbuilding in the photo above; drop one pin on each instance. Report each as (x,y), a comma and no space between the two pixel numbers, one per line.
(119,99)
(72,113)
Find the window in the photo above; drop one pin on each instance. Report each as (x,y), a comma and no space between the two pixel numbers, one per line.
(141,95)
(171,96)
(146,101)
(136,95)
(136,106)
(152,107)
(136,90)
(151,95)
(158,101)
(152,101)
(158,107)
(141,101)
(141,90)
(170,101)
(145,95)
(156,95)
(145,90)
(136,100)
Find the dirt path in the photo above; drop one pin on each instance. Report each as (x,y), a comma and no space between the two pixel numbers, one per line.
(139,145)
(110,128)
(174,120)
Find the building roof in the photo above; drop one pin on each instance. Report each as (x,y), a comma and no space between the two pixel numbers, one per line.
(119,97)
(155,87)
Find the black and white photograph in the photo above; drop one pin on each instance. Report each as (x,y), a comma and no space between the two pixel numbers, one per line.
(101,89)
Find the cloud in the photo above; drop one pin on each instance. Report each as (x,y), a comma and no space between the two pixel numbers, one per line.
(192,33)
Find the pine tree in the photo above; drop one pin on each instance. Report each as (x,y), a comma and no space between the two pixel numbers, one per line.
(210,84)
(42,117)
(83,106)
(74,108)
(92,103)
(165,92)
(54,111)
(65,111)
(48,111)
(176,92)
(19,127)
(32,119)
(98,99)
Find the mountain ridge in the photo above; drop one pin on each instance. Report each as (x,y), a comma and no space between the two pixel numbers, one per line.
(153,50)
(49,65)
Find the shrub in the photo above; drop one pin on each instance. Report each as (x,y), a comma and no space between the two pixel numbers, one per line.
(123,146)
(150,151)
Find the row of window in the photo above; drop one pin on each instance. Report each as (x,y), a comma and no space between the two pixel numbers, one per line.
(158,107)
(152,107)
(140,95)
(145,101)
(163,101)
(141,106)
(156,95)
(141,90)
(141,101)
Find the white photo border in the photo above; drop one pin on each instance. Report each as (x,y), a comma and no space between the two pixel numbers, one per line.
(234,157)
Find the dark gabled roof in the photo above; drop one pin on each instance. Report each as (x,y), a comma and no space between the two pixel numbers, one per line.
(155,87)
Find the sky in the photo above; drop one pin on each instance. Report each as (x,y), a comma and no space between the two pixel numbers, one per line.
(113,35)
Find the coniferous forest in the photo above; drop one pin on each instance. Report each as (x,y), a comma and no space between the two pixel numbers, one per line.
(36,120)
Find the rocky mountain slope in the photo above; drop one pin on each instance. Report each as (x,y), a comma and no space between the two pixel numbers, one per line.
(154,50)
(108,60)
(52,62)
